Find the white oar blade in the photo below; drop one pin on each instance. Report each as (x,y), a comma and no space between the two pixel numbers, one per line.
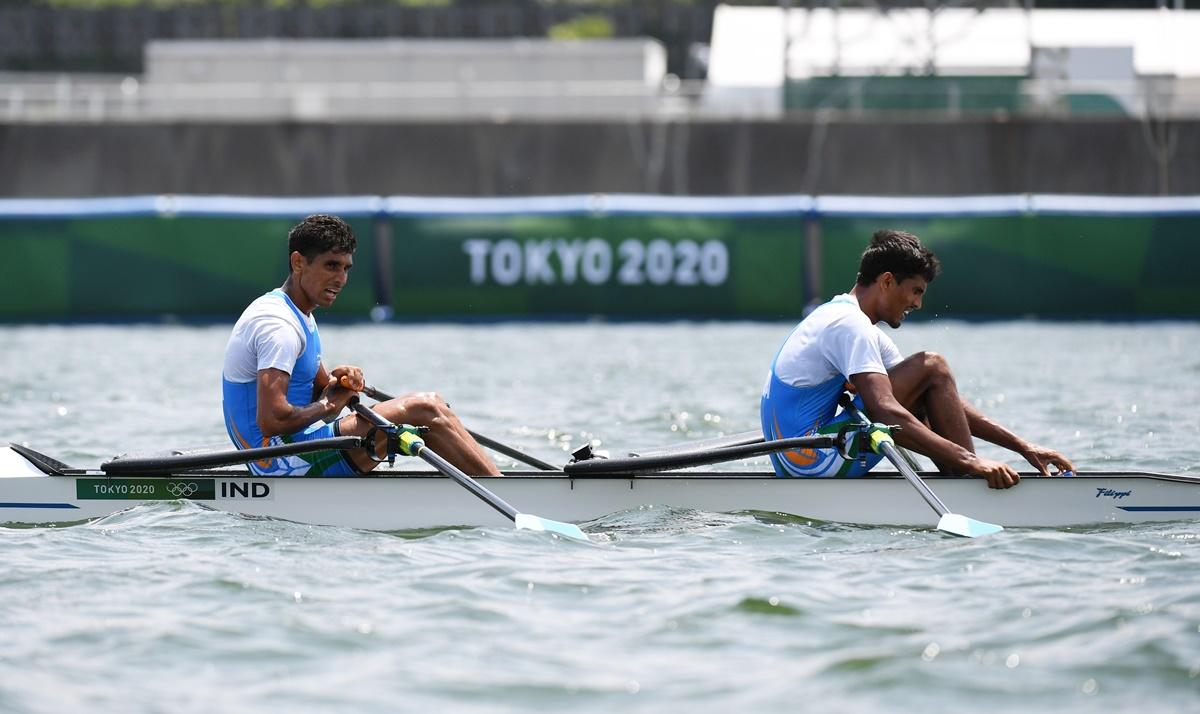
(966,527)
(536,523)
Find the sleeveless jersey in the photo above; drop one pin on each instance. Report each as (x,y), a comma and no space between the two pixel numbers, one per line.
(274,333)
(807,377)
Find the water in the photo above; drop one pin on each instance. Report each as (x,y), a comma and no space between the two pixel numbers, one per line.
(174,608)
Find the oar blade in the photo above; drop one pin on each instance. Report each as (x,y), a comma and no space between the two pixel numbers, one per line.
(531,522)
(966,527)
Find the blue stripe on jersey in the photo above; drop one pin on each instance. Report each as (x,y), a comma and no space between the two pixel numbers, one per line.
(788,411)
(241,401)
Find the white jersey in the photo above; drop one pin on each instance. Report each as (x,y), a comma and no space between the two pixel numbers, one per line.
(836,340)
(268,335)
(273,333)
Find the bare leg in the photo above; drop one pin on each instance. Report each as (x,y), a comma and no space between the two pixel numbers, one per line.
(447,436)
(924,384)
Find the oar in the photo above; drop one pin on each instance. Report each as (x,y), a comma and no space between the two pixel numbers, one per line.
(410,443)
(881,441)
(699,457)
(754,436)
(488,442)
(745,438)
(164,464)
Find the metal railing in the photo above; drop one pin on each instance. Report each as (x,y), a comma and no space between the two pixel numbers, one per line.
(130,100)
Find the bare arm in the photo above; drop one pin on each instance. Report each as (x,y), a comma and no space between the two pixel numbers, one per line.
(276,415)
(1039,456)
(983,427)
(320,381)
(882,406)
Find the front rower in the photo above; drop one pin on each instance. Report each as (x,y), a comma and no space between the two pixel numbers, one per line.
(839,343)
(277,391)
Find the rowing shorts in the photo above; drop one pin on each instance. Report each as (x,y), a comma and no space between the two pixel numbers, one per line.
(821,462)
(319,463)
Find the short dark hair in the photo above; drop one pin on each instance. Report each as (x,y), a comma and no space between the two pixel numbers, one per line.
(898,253)
(320,233)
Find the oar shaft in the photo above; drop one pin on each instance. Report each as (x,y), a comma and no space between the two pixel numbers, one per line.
(176,462)
(467,482)
(948,522)
(511,452)
(369,414)
(442,465)
(490,443)
(699,457)
(893,455)
(721,442)
(375,394)
(526,521)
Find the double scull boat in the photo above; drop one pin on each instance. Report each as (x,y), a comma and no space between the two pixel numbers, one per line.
(36,489)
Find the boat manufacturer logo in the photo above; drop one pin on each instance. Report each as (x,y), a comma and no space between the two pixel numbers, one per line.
(182,489)
(1112,493)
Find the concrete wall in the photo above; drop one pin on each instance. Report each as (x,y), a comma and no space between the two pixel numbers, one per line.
(696,158)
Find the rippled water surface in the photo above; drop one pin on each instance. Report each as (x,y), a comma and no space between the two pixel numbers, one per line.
(175,608)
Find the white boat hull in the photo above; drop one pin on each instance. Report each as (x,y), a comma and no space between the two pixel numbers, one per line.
(408,500)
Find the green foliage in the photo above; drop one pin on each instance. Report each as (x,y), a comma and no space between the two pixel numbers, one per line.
(584,27)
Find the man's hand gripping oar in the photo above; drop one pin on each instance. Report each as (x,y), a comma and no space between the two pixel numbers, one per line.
(407,440)
(879,440)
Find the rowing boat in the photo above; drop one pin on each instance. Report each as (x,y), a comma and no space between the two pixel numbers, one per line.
(36,489)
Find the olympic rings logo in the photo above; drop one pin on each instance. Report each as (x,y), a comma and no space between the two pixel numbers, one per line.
(182,490)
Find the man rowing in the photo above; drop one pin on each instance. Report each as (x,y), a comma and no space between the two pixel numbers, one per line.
(839,345)
(277,390)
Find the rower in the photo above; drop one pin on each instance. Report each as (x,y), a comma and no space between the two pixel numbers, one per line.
(839,345)
(277,390)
